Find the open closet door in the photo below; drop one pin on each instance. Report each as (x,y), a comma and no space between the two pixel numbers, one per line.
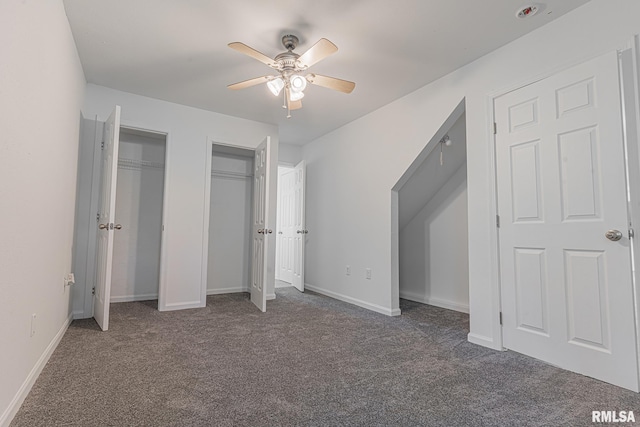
(106,213)
(259,231)
(299,223)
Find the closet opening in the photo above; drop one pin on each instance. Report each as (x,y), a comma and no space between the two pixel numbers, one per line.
(230,242)
(139,209)
(431,223)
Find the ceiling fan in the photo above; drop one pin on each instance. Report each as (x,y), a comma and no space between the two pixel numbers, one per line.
(292,68)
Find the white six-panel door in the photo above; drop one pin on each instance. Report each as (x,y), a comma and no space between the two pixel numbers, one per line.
(566,287)
(299,225)
(260,230)
(106,220)
(286,229)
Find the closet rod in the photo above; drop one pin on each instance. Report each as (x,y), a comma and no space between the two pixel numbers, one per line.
(229,174)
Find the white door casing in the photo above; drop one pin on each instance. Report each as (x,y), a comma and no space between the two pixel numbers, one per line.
(260,231)
(567,295)
(106,220)
(299,225)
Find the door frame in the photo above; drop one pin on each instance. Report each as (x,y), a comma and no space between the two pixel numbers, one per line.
(630,123)
(87,311)
(162,285)
(431,145)
(210,142)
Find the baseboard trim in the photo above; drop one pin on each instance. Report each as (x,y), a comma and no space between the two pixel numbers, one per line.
(132,298)
(181,306)
(233,290)
(438,302)
(481,340)
(271,297)
(373,307)
(24,390)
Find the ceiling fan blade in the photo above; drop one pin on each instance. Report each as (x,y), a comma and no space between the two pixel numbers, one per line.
(243,48)
(250,82)
(295,105)
(331,83)
(317,52)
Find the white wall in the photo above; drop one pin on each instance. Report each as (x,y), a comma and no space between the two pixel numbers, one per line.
(187,150)
(289,154)
(41,91)
(229,264)
(434,262)
(352,169)
(136,247)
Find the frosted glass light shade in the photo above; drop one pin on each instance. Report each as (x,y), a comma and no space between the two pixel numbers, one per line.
(275,86)
(298,83)
(296,96)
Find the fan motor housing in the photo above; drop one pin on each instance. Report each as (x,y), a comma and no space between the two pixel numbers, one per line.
(290,41)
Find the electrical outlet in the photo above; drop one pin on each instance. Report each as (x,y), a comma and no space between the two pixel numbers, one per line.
(348,270)
(33,324)
(69,280)
(367,273)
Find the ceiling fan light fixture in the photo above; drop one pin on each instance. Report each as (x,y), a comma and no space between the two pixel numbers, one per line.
(298,83)
(296,96)
(275,86)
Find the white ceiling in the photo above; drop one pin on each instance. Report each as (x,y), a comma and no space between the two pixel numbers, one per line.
(177,50)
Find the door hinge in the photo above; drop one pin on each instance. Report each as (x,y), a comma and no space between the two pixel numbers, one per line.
(632,233)
(93,291)
(102,145)
(498,221)
(495,128)
(500,318)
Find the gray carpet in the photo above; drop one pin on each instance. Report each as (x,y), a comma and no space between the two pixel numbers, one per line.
(309,361)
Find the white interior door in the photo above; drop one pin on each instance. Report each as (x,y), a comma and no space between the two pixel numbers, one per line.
(106,213)
(287,230)
(566,288)
(299,225)
(260,230)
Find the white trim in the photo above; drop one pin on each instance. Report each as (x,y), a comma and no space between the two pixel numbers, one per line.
(25,388)
(438,302)
(373,307)
(271,297)
(483,341)
(204,273)
(132,298)
(183,305)
(232,290)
